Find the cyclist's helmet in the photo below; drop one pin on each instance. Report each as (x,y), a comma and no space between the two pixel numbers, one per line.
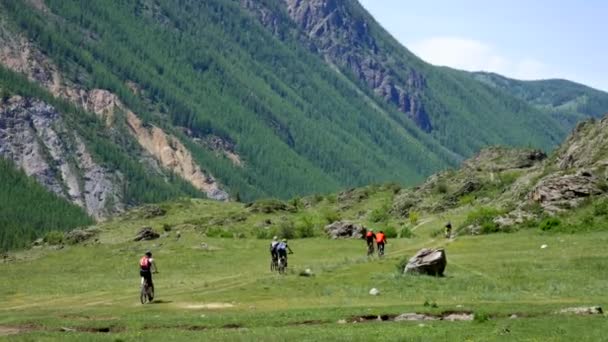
(275,238)
(149,253)
(284,240)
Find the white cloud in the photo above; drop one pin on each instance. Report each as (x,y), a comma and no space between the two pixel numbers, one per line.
(474,55)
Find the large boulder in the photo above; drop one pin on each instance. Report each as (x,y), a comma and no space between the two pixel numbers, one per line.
(559,192)
(146,233)
(427,261)
(345,230)
(80,235)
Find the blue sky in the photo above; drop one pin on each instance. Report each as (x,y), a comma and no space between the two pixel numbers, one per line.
(521,39)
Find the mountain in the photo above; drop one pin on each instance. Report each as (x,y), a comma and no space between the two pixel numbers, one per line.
(566,101)
(115,104)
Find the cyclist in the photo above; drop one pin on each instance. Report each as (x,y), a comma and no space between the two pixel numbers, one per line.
(380,242)
(282,248)
(273,251)
(369,238)
(146,265)
(448,230)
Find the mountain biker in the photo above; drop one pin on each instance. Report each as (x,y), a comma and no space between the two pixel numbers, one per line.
(146,265)
(281,250)
(273,252)
(448,230)
(380,241)
(369,238)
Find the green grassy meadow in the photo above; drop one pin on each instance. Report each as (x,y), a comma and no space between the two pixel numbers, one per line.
(223,290)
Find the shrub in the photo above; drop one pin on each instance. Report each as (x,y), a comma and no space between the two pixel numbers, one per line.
(219,233)
(549,223)
(390,232)
(296,203)
(481,317)
(392,187)
(305,228)
(167,227)
(588,221)
(414,217)
(403,204)
(508,178)
(265,233)
(286,230)
(406,232)
(483,217)
(304,231)
(54,237)
(379,214)
(466,199)
(442,188)
(600,208)
(331,216)
(267,206)
(331,199)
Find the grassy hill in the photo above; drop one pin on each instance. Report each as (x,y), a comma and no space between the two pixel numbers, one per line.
(212,287)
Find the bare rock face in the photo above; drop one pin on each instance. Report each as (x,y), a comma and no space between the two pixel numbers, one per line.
(427,261)
(173,155)
(558,192)
(344,230)
(34,136)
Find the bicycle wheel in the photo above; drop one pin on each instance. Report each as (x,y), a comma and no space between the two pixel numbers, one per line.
(143,295)
(281,265)
(150,293)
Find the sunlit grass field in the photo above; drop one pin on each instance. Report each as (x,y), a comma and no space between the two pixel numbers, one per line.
(222,289)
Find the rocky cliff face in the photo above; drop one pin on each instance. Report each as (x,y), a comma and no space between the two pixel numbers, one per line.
(330,28)
(35,137)
(27,143)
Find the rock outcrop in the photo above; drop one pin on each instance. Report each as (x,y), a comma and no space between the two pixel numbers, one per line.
(34,136)
(174,156)
(583,310)
(585,147)
(498,158)
(145,234)
(427,261)
(345,230)
(558,192)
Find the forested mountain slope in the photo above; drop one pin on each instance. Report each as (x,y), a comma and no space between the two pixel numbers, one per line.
(28,210)
(207,72)
(240,99)
(567,101)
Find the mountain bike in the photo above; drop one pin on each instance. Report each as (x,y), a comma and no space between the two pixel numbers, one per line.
(282,264)
(370,249)
(146,294)
(274,263)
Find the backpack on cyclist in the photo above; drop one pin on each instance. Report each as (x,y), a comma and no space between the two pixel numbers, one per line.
(144,263)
